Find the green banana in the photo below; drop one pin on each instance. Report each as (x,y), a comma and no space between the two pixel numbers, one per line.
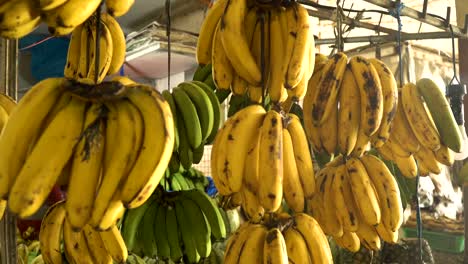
(441,113)
(186,230)
(216,109)
(190,183)
(210,82)
(210,210)
(225,219)
(147,230)
(198,153)
(203,105)
(200,226)
(181,179)
(185,150)
(173,234)
(170,100)
(202,72)
(131,223)
(160,233)
(199,185)
(175,185)
(174,163)
(189,116)
(163,182)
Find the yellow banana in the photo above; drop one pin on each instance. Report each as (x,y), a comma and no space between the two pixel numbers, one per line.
(75,245)
(349,113)
(419,117)
(407,166)
(316,241)
(349,241)
(386,234)
(118,41)
(119,8)
(96,246)
(50,4)
(276,83)
(296,247)
(329,131)
(252,252)
(18,13)
(105,55)
(385,152)
(426,156)
(333,223)
(236,243)
(86,168)
(222,71)
(396,148)
(73,57)
(422,170)
(22,30)
(293,193)
(274,248)
(369,237)
(401,130)
(86,53)
(444,155)
(312,130)
(271,162)
(60,137)
(363,191)
(344,210)
(115,244)
(51,233)
(390,101)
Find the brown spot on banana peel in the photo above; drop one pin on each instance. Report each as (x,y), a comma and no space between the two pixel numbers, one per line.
(271,237)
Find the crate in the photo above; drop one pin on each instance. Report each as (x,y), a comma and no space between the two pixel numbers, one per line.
(445,242)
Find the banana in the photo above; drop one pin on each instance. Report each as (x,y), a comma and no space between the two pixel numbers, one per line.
(255,24)
(201,230)
(317,242)
(18,13)
(277,56)
(363,191)
(293,193)
(419,117)
(210,210)
(390,101)
(296,247)
(349,113)
(73,55)
(105,56)
(271,162)
(7,103)
(422,170)
(119,8)
(86,54)
(312,130)
(386,235)
(401,130)
(274,248)
(86,168)
(156,148)
(170,100)
(345,212)
(160,233)
(387,190)
(132,220)
(46,5)
(407,166)
(203,105)
(120,141)
(187,232)
(51,232)
(96,246)
(22,30)
(216,109)
(349,241)
(222,70)
(67,17)
(428,158)
(185,150)
(26,198)
(440,110)
(118,41)
(329,132)
(369,237)
(236,242)
(24,120)
(444,155)
(220,182)
(115,244)
(75,245)
(232,156)
(302,156)
(252,251)
(207,33)
(331,219)
(302,41)
(190,117)
(396,147)
(235,42)
(325,100)
(3,118)
(173,234)
(147,230)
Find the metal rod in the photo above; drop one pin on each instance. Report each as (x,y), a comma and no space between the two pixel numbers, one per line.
(447,17)
(387,38)
(424,12)
(10,78)
(409,12)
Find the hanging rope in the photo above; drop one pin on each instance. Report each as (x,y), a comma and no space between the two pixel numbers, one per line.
(339,27)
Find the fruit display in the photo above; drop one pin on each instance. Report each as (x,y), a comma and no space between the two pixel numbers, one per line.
(279,239)
(113,142)
(87,245)
(82,54)
(21,17)
(255,49)
(175,225)
(197,117)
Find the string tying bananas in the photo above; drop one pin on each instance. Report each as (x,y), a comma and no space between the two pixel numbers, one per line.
(114,142)
(281,239)
(87,245)
(21,17)
(255,49)
(358,202)
(265,156)
(174,226)
(82,54)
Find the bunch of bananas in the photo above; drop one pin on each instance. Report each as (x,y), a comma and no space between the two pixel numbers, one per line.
(264,156)
(7,105)
(357,202)
(21,17)
(82,55)
(184,180)
(85,246)
(175,226)
(296,239)
(112,142)
(360,95)
(197,116)
(257,49)
(424,132)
